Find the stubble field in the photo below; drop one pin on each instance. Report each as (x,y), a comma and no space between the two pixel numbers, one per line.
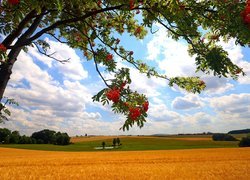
(219,163)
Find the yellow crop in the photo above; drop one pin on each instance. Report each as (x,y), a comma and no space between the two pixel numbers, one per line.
(230,163)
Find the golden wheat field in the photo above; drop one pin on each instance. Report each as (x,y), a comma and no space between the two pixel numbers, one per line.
(230,163)
(96,138)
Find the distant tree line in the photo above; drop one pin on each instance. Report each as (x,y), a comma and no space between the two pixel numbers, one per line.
(244,142)
(45,136)
(242,131)
(223,137)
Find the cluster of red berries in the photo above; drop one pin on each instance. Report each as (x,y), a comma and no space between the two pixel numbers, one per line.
(131,4)
(13,2)
(145,106)
(138,30)
(109,57)
(2,48)
(135,112)
(245,14)
(99,3)
(113,95)
(201,83)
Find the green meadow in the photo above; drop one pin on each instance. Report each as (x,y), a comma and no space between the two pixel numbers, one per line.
(132,143)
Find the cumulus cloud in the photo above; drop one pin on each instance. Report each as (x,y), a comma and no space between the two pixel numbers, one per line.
(232,104)
(215,85)
(160,112)
(73,68)
(187,102)
(172,56)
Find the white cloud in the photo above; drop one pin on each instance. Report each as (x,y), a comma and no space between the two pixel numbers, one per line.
(246,68)
(73,68)
(188,102)
(160,112)
(238,104)
(172,56)
(215,85)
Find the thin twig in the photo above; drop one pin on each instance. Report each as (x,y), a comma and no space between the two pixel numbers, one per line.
(50,55)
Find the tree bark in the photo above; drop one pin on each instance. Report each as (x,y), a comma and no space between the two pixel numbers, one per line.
(6,70)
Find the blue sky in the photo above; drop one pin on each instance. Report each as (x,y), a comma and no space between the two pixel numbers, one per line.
(58,96)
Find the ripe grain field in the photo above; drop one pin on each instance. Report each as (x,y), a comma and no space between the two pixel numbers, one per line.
(220,163)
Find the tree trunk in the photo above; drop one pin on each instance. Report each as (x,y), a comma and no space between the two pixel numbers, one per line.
(6,70)
(5,73)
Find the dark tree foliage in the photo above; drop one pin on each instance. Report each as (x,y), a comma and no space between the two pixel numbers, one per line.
(242,131)
(61,138)
(41,137)
(51,137)
(4,135)
(14,137)
(26,140)
(118,141)
(103,144)
(45,135)
(223,137)
(114,141)
(245,141)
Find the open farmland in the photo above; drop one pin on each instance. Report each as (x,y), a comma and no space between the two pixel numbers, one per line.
(132,143)
(220,163)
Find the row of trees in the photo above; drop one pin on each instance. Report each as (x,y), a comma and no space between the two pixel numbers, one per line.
(244,142)
(242,131)
(116,141)
(41,137)
(223,137)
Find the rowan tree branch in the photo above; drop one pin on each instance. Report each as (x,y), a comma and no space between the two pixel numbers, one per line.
(67,21)
(11,37)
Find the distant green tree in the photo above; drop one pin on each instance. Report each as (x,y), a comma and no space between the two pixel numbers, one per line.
(5,135)
(25,140)
(245,141)
(103,145)
(14,137)
(45,136)
(118,141)
(61,138)
(114,142)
